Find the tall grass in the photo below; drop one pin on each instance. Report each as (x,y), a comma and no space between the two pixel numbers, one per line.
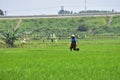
(96,60)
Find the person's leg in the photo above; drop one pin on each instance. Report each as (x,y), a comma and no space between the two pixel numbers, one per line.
(74,47)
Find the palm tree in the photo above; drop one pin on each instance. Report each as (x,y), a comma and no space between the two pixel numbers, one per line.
(9,37)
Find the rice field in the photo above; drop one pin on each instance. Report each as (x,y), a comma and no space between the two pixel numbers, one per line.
(96,60)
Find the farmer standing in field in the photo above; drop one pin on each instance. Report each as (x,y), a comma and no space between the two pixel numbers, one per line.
(73,43)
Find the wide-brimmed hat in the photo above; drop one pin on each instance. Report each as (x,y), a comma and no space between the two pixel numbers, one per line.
(73,35)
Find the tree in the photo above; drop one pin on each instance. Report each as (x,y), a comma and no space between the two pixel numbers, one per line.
(62,11)
(9,37)
(1,12)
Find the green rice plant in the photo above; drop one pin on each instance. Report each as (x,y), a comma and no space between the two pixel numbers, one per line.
(96,60)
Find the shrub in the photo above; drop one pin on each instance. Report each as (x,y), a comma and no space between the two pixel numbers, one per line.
(82,28)
(2,44)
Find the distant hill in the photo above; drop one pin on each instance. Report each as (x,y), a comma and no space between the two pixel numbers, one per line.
(60,26)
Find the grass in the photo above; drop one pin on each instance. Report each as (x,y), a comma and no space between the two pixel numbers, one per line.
(96,60)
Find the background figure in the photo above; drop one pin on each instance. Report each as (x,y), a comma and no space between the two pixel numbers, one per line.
(73,43)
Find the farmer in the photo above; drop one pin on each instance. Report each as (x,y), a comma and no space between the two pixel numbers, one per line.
(73,43)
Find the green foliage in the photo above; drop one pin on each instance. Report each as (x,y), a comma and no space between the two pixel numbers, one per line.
(1,12)
(115,22)
(64,26)
(96,22)
(7,24)
(2,44)
(9,37)
(82,28)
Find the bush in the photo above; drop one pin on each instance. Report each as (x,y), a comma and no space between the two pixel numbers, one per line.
(2,44)
(82,28)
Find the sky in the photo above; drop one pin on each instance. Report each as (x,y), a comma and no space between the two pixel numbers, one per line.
(38,7)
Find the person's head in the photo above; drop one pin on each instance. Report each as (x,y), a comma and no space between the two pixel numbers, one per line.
(73,36)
